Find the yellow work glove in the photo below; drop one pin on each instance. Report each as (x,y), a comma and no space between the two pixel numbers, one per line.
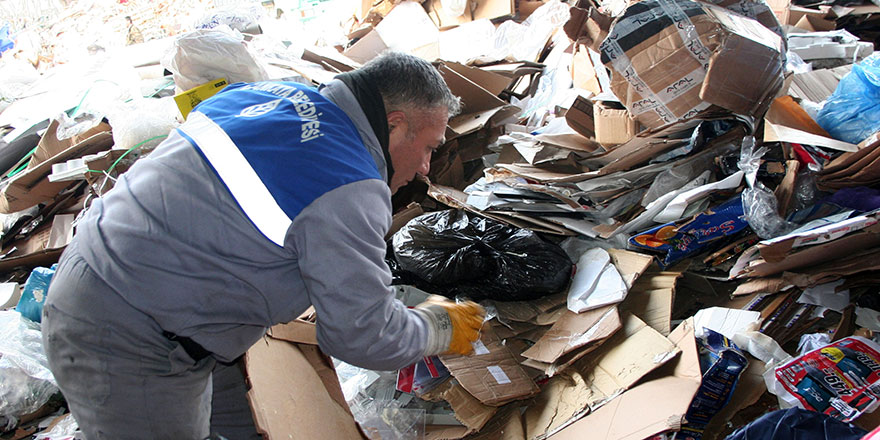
(452,326)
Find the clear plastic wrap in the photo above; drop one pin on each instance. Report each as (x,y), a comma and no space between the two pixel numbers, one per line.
(455,253)
(140,119)
(63,430)
(242,18)
(26,383)
(524,42)
(377,406)
(759,203)
(208,54)
(69,127)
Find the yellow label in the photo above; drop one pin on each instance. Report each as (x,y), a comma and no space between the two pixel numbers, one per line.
(187,100)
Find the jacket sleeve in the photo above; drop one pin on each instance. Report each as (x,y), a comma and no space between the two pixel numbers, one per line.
(339,241)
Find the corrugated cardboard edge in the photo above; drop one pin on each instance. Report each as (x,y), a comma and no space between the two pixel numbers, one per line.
(288,396)
(467,409)
(635,414)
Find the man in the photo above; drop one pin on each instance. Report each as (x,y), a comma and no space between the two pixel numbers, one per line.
(271,198)
(134,35)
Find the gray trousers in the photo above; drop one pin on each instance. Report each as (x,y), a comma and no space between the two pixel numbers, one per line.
(122,378)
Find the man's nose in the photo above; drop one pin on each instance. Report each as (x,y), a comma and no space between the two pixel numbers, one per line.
(425,168)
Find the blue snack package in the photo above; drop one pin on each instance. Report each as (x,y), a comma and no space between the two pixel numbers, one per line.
(33,294)
(679,241)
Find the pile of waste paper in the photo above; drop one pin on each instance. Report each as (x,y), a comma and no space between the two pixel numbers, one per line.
(669,208)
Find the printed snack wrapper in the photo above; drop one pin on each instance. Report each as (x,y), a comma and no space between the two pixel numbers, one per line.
(841,379)
(678,241)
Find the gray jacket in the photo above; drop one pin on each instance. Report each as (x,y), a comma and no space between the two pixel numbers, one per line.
(175,244)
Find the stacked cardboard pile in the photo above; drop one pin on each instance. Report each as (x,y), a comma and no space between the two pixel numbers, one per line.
(670,151)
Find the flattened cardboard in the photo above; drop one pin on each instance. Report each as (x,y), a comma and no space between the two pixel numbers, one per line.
(458,199)
(467,409)
(651,299)
(494,376)
(367,48)
(631,265)
(583,72)
(594,338)
(570,332)
(286,405)
(593,381)
(636,415)
(31,186)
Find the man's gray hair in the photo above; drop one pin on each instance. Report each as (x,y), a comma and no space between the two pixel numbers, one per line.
(407,83)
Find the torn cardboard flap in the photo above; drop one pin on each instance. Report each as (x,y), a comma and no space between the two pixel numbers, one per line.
(467,409)
(298,331)
(31,187)
(631,265)
(635,414)
(652,298)
(574,330)
(593,381)
(597,335)
(286,401)
(587,26)
(492,373)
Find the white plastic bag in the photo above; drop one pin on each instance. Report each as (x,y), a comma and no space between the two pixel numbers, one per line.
(208,54)
(26,383)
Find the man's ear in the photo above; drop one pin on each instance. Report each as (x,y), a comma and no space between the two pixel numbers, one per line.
(397,120)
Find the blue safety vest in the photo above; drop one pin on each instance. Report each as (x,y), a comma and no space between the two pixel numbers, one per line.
(277,146)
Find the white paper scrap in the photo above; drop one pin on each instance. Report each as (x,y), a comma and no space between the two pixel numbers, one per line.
(825,295)
(479,347)
(596,282)
(728,322)
(498,374)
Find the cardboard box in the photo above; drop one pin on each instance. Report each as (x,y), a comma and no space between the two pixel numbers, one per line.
(580,117)
(292,384)
(614,124)
(664,75)
(32,186)
(492,373)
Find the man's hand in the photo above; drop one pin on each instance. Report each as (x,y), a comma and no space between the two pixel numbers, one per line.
(455,325)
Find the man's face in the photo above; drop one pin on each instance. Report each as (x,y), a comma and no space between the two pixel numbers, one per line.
(411,143)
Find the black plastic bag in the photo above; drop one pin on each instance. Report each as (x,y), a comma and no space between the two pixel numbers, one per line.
(797,424)
(453,253)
